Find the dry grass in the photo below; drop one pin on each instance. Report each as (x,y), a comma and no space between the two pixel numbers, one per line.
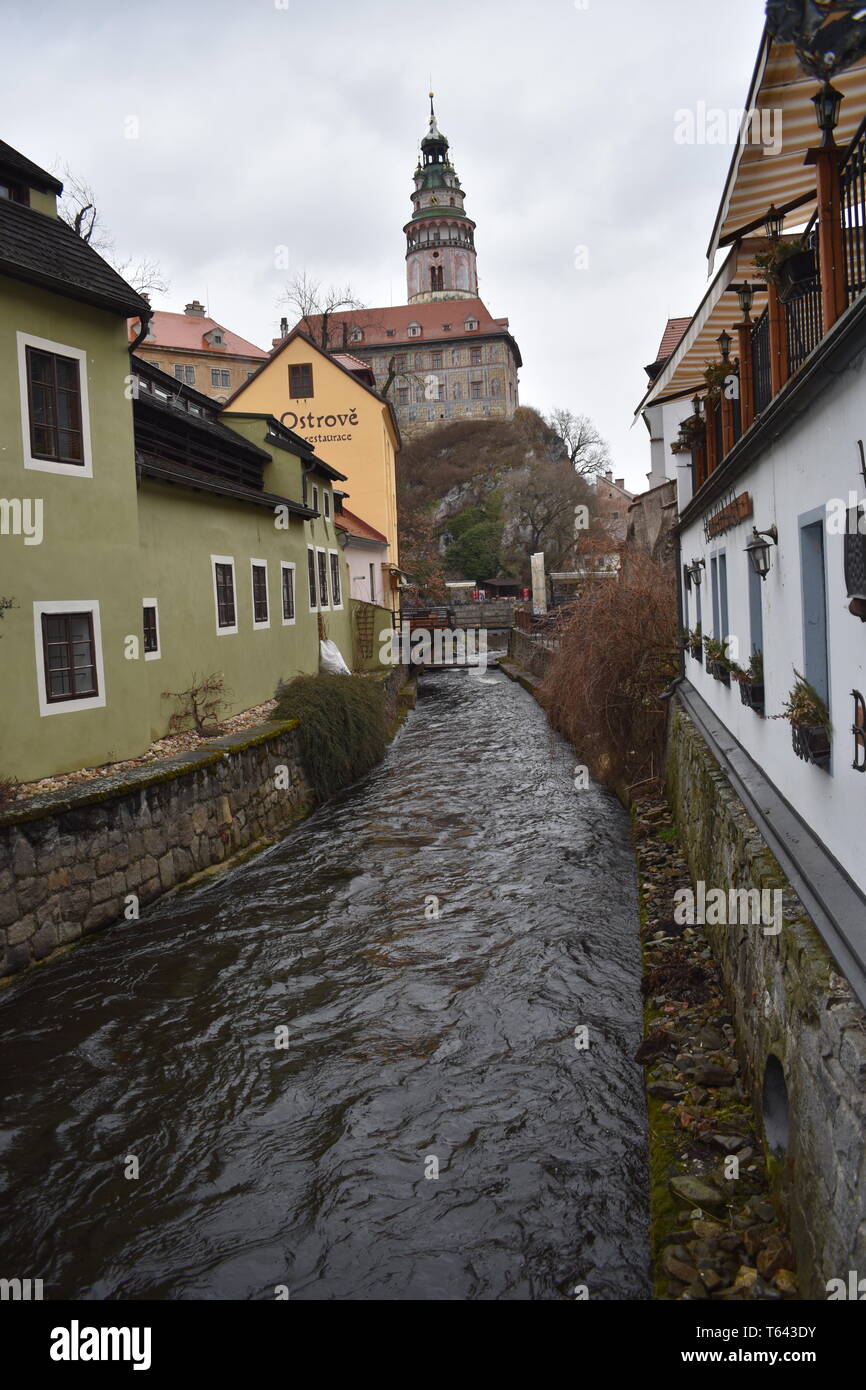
(618,653)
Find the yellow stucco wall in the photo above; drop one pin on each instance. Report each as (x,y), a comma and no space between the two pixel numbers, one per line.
(348,426)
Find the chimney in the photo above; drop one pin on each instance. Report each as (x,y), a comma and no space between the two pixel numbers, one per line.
(620,482)
(609,475)
(195,310)
(284,328)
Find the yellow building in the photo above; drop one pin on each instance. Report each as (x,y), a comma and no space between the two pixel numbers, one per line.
(329,400)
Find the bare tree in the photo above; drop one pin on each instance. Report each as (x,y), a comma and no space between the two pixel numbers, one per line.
(79,209)
(588,452)
(548,505)
(316,306)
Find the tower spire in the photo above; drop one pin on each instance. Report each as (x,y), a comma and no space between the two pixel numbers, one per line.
(440,247)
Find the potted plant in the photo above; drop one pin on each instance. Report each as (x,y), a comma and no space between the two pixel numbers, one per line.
(751,682)
(693,432)
(716,376)
(788,264)
(692,642)
(809,718)
(718,662)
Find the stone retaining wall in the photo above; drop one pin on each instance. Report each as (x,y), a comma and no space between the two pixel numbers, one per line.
(97,852)
(529,652)
(789,1003)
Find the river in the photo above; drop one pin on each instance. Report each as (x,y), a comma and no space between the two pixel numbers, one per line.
(423,948)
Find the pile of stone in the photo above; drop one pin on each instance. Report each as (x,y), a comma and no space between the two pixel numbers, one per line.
(717,1231)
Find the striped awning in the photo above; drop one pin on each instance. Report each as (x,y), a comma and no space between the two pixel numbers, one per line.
(781,94)
(683,374)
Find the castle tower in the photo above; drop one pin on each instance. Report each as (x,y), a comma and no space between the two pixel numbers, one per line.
(440,245)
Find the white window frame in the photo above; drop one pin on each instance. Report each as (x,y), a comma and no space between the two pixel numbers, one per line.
(289,565)
(50,606)
(337,607)
(311,550)
(76,470)
(260,627)
(322,550)
(224,560)
(152,603)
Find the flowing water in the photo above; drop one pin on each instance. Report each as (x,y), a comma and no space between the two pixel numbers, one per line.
(426,945)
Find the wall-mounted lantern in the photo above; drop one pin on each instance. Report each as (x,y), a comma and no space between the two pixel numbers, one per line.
(697,566)
(697,405)
(724,341)
(774,222)
(758,550)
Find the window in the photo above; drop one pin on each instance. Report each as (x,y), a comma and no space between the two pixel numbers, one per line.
(54,394)
(475,389)
(475,357)
(69,651)
(402,395)
(390,332)
(400,362)
(437,277)
(224,594)
(441,393)
(259,571)
(69,673)
(287,591)
(719,586)
(15,192)
(300,380)
(414,330)
(372,583)
(250,374)
(185,374)
(322,561)
(311,579)
(315,499)
(447,327)
(326,500)
(436,359)
(470,325)
(150,623)
(357,335)
(336,593)
(814,598)
(218,377)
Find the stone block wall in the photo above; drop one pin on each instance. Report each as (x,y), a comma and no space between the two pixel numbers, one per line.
(91,854)
(529,652)
(788,1002)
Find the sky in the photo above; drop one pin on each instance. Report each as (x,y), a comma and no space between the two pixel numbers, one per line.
(240,142)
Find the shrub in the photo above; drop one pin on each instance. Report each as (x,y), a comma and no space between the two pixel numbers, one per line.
(618,653)
(343,727)
(804,707)
(201,704)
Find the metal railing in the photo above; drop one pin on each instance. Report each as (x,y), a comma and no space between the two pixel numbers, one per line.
(804,315)
(761,381)
(853,186)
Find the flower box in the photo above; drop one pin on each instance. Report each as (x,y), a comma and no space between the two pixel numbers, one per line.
(811,743)
(793,273)
(752,695)
(719,672)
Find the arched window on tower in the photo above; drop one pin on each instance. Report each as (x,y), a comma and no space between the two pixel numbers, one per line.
(437,274)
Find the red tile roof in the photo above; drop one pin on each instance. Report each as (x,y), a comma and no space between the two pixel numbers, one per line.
(188,331)
(432,318)
(671,338)
(348,521)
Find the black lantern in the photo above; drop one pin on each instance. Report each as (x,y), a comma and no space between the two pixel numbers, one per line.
(697,566)
(827,104)
(746,296)
(758,550)
(724,341)
(774,223)
(696,405)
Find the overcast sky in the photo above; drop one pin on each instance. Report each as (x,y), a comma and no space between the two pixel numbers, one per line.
(269,123)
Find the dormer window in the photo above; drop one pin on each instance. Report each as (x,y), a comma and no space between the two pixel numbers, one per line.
(357,335)
(215,338)
(414,330)
(15,191)
(471,325)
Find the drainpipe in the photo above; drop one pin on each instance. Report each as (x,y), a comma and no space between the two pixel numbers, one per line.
(142,331)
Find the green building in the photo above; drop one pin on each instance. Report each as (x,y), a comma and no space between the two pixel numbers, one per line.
(145,544)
